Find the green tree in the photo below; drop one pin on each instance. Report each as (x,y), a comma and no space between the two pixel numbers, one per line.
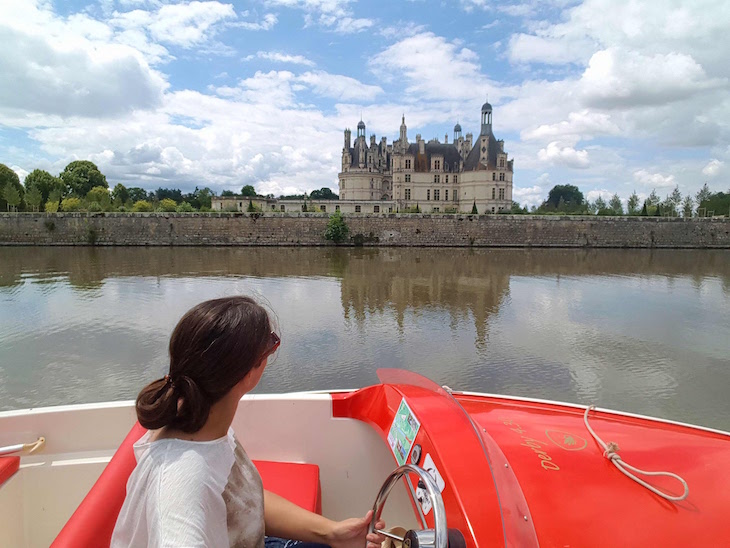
(33,198)
(633,204)
(644,210)
(717,204)
(172,193)
(54,199)
(687,206)
(142,206)
(120,195)
(571,196)
(251,208)
(81,176)
(653,200)
(44,182)
(11,196)
(337,229)
(184,208)
(324,193)
(600,204)
(228,193)
(136,194)
(168,205)
(703,194)
(516,209)
(100,195)
(8,176)
(616,205)
(474,210)
(71,204)
(248,190)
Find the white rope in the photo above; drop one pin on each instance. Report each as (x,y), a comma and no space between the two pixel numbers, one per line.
(610,451)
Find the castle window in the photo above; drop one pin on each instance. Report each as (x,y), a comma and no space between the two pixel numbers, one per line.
(428,194)
(323,208)
(273,207)
(501,162)
(437,178)
(408,177)
(456,180)
(501,176)
(492,209)
(436,194)
(446,179)
(492,193)
(357,209)
(494,176)
(446,194)
(282,208)
(408,164)
(408,193)
(337,208)
(435,210)
(501,195)
(437,164)
(376,209)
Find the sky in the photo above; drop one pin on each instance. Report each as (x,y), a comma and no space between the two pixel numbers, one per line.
(613,96)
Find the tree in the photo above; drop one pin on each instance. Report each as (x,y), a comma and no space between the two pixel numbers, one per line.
(572,198)
(474,210)
(11,196)
(653,200)
(168,205)
(337,229)
(81,176)
(100,195)
(136,194)
(33,198)
(251,208)
(44,182)
(200,199)
(54,198)
(516,209)
(173,194)
(248,190)
(8,176)
(142,206)
(600,204)
(718,203)
(615,205)
(120,194)
(71,204)
(644,210)
(687,206)
(228,193)
(184,208)
(323,193)
(633,204)
(703,194)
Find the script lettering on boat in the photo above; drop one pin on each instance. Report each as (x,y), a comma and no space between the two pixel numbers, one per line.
(546,461)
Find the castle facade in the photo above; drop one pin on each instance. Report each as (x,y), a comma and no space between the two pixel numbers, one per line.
(429,176)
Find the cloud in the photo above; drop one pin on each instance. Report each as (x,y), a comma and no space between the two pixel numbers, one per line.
(530,196)
(713,168)
(654,180)
(335,15)
(579,126)
(278,57)
(565,156)
(267,23)
(339,87)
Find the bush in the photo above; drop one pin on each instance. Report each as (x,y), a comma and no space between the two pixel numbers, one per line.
(142,206)
(184,207)
(51,207)
(337,229)
(95,207)
(168,205)
(71,204)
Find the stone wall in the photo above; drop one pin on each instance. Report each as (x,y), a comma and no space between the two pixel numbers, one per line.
(307,229)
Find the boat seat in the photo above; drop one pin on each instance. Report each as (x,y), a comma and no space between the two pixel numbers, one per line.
(8,467)
(93,521)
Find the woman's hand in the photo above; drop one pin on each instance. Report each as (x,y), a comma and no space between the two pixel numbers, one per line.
(353,533)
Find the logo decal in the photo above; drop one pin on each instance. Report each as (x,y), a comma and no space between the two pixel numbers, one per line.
(566,440)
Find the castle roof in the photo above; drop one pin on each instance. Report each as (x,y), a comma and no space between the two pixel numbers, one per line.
(472,160)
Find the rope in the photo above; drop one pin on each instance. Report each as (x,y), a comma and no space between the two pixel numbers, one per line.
(610,451)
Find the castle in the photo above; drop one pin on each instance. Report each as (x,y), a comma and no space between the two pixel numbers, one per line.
(428,177)
(431,176)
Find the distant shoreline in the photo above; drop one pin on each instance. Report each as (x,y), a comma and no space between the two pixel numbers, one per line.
(387,229)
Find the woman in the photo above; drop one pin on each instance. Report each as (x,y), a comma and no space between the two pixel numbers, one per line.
(193,484)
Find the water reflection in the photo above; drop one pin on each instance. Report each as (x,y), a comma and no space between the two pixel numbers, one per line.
(639,330)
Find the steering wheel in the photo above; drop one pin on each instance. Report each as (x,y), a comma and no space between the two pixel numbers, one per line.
(438,537)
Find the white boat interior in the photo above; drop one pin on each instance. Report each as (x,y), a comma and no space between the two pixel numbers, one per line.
(36,501)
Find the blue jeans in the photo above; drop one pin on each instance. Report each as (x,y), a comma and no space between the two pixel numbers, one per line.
(276,542)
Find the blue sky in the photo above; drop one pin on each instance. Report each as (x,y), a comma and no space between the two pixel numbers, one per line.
(610,95)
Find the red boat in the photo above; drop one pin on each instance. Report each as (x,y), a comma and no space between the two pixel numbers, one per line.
(459,467)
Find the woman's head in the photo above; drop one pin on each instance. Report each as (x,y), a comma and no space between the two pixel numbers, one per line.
(212,348)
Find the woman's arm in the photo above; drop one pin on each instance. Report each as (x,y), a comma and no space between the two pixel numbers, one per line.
(287,520)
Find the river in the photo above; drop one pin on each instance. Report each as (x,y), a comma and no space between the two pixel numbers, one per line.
(637,330)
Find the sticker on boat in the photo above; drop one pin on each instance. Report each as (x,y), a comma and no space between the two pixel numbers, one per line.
(403,432)
(421,493)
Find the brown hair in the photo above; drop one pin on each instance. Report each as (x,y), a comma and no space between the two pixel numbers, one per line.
(212,348)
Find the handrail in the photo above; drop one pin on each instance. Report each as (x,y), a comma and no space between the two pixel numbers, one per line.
(21,447)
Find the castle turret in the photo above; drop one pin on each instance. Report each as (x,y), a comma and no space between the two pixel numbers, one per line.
(486,119)
(348,136)
(361,129)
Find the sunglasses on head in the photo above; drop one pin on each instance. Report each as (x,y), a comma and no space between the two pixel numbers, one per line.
(274,342)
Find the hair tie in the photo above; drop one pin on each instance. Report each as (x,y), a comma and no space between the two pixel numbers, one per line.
(169,381)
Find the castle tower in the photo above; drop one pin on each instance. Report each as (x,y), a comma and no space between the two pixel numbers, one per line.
(457,132)
(403,133)
(486,119)
(361,129)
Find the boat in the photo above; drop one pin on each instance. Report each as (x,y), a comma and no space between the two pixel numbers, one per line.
(452,468)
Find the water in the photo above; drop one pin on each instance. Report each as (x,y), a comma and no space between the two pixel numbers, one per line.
(641,331)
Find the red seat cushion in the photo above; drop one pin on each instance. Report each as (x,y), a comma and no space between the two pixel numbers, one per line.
(298,483)
(8,467)
(93,521)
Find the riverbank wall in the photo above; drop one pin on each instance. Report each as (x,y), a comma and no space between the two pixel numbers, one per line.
(307,229)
